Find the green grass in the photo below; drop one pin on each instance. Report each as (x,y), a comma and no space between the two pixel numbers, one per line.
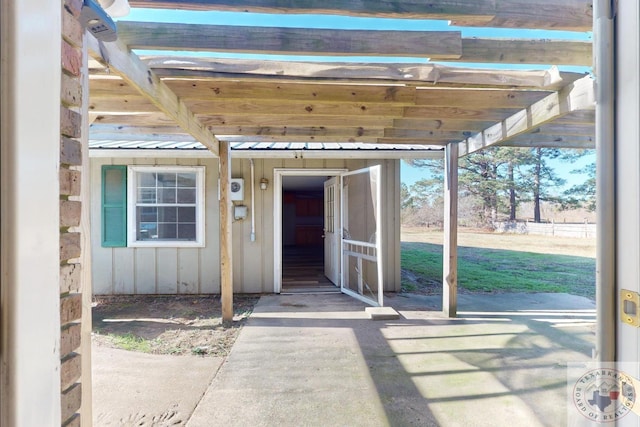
(131,342)
(493,270)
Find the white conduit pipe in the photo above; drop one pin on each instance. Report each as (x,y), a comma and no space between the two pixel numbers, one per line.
(253,203)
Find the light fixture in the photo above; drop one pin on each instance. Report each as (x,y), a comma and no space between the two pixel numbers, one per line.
(97,21)
(264,183)
(116,8)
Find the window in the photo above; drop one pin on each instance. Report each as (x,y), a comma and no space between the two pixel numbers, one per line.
(166,206)
(152,206)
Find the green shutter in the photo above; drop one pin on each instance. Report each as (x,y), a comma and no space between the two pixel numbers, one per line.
(114,206)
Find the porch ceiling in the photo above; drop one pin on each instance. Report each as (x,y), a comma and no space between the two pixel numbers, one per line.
(242,100)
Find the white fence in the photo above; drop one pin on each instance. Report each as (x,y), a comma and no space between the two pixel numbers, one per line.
(561,229)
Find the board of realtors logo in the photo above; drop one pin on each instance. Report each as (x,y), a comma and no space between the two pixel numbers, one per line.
(604,395)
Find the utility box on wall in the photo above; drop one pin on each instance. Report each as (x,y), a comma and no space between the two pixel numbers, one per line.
(237,189)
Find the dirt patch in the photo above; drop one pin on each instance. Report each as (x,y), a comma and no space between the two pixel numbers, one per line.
(175,325)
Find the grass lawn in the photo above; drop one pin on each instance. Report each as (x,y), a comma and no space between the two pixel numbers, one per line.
(500,263)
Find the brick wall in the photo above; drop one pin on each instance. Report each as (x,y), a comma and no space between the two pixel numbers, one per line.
(70,213)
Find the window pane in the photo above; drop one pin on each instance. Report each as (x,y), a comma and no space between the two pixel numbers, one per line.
(147,231)
(146,195)
(146,179)
(167,214)
(166,195)
(187,231)
(166,205)
(186,195)
(147,214)
(167,231)
(186,215)
(167,180)
(187,180)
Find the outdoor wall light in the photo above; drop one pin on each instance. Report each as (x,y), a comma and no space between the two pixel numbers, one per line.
(264,183)
(94,18)
(116,8)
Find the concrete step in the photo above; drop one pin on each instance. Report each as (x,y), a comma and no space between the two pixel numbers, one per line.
(382,313)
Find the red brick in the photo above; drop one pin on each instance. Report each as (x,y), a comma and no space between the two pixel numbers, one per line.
(71,59)
(70,278)
(70,338)
(69,182)
(71,90)
(70,308)
(70,370)
(70,213)
(70,123)
(69,246)
(71,401)
(73,6)
(72,30)
(70,152)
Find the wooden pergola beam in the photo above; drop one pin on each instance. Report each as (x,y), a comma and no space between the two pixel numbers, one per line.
(555,141)
(275,107)
(417,74)
(285,92)
(128,65)
(575,97)
(521,51)
(274,40)
(574,15)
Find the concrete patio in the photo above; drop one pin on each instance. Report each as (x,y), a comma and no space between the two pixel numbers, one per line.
(317,360)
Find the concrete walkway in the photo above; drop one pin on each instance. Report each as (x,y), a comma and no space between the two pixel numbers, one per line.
(316,360)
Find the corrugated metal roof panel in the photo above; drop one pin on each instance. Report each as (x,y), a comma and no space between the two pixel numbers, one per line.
(241,146)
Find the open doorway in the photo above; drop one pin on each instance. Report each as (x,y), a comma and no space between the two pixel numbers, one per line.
(300,236)
(303,227)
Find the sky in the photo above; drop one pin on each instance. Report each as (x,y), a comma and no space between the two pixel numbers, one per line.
(409,175)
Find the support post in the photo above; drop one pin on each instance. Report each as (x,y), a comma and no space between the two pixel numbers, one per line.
(86,409)
(450,247)
(226,266)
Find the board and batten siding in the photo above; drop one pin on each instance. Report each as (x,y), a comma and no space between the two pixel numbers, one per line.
(253,262)
(157,270)
(197,270)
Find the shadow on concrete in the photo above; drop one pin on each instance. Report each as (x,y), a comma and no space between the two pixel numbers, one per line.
(316,360)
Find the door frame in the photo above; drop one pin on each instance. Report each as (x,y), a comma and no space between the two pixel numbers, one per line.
(278,174)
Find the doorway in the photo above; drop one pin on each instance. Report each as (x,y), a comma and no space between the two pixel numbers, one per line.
(303,228)
(300,230)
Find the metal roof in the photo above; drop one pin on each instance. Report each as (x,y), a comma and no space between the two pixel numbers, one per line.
(239,146)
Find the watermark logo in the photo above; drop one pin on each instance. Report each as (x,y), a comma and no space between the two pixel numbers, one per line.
(604,394)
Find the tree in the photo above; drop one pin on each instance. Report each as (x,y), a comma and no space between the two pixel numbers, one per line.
(584,194)
(543,178)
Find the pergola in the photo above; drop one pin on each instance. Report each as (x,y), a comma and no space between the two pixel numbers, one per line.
(461,109)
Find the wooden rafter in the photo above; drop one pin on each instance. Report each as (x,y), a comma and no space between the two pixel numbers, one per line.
(318,72)
(519,51)
(547,14)
(309,41)
(575,97)
(437,45)
(127,65)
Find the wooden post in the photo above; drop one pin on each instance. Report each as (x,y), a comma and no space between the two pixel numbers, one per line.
(450,248)
(226,265)
(86,413)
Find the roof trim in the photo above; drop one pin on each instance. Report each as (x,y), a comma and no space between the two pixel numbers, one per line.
(268,154)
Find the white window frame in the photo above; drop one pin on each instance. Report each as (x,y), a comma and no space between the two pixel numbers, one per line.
(132,200)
